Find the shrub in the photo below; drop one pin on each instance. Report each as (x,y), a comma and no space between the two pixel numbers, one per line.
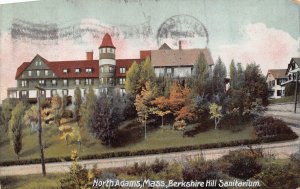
(67,114)
(269,126)
(159,165)
(244,164)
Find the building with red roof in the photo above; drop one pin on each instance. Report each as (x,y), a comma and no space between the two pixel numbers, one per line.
(105,75)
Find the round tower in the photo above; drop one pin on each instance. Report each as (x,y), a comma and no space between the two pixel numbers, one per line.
(107,63)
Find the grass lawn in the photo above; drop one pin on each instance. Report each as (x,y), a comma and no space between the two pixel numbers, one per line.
(131,138)
(51,181)
(283,100)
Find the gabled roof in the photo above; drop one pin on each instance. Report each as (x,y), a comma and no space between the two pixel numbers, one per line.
(164,47)
(125,63)
(277,73)
(184,57)
(58,66)
(106,41)
(292,63)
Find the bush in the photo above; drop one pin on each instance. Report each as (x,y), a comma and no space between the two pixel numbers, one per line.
(159,165)
(67,114)
(244,164)
(269,126)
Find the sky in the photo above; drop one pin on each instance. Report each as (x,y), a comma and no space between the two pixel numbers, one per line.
(261,31)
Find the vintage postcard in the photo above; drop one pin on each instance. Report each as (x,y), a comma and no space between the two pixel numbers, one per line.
(149,94)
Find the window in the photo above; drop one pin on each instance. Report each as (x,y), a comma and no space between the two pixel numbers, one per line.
(54,82)
(122,81)
(65,82)
(122,92)
(113,50)
(29,73)
(273,83)
(77,70)
(53,92)
(111,69)
(46,72)
(122,70)
(88,70)
(102,80)
(65,92)
(108,50)
(23,94)
(23,83)
(40,63)
(36,63)
(65,71)
(169,70)
(88,81)
(102,70)
(77,82)
(110,80)
(279,92)
(42,82)
(38,73)
(53,74)
(104,50)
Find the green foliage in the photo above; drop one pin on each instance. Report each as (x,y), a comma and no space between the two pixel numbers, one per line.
(215,113)
(87,110)
(7,107)
(274,176)
(200,76)
(255,84)
(240,81)
(16,125)
(243,164)
(233,74)
(132,82)
(56,104)
(77,102)
(106,118)
(77,178)
(219,74)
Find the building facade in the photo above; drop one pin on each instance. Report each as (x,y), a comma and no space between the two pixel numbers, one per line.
(105,75)
(275,80)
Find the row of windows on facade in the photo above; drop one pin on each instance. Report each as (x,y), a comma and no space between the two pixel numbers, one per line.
(278,81)
(107,50)
(65,92)
(278,93)
(292,77)
(87,81)
(110,69)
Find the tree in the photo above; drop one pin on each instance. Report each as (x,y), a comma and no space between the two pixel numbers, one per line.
(77,102)
(31,117)
(233,75)
(87,110)
(106,118)
(200,76)
(132,82)
(240,76)
(56,104)
(255,83)
(219,74)
(143,104)
(215,113)
(161,108)
(7,107)
(16,125)
(147,73)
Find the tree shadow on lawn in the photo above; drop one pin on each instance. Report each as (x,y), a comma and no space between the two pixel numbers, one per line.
(133,133)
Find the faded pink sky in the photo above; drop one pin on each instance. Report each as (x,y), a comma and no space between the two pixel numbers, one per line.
(270,48)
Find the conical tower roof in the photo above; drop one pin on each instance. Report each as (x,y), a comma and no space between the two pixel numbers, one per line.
(107,42)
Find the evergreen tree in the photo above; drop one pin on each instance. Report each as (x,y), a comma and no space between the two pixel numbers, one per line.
(87,110)
(106,118)
(16,125)
(240,81)
(233,75)
(77,102)
(219,74)
(147,73)
(200,76)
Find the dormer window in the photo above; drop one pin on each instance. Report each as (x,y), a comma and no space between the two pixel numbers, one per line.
(23,83)
(29,73)
(65,71)
(38,73)
(77,70)
(42,82)
(88,70)
(46,72)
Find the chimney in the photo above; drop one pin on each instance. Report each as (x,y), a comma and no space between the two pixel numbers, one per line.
(179,44)
(89,55)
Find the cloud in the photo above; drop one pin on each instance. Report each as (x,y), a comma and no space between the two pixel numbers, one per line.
(269,47)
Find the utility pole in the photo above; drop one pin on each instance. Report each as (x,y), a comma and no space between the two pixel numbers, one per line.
(39,89)
(296,91)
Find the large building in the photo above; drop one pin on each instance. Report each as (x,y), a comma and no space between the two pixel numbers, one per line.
(105,75)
